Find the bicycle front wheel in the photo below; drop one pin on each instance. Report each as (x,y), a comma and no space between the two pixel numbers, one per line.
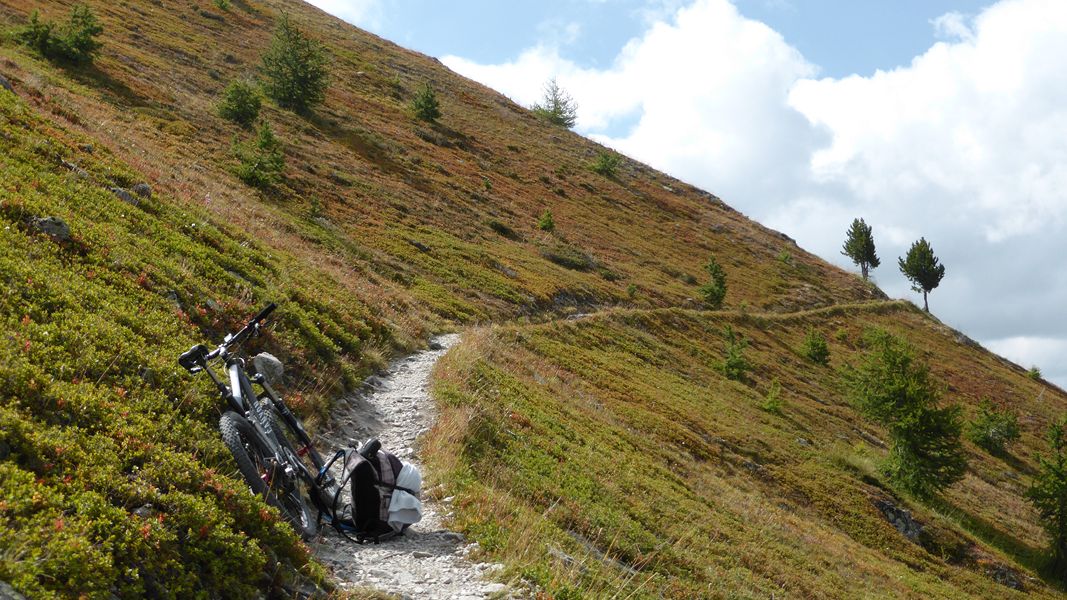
(264,477)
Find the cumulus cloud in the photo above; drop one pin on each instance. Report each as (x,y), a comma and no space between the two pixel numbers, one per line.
(365,13)
(964,146)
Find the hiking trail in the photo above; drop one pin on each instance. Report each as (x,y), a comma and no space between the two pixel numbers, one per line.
(428,561)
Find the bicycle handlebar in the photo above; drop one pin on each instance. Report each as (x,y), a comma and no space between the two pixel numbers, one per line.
(198,355)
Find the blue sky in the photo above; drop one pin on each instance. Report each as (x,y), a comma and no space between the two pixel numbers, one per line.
(842,37)
(935,118)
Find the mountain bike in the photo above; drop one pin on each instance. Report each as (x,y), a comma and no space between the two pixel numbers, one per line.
(273,451)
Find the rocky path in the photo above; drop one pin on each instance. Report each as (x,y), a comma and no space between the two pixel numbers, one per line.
(428,561)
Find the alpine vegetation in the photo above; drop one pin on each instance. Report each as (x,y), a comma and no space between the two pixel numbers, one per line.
(557,107)
(714,291)
(606,164)
(1049,495)
(75,41)
(815,347)
(425,104)
(295,68)
(734,365)
(921,267)
(546,222)
(893,387)
(240,102)
(859,246)
(994,428)
(260,160)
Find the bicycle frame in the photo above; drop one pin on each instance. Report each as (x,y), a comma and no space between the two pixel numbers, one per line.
(285,449)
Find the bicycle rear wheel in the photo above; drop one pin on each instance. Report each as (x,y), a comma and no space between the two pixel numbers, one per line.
(264,477)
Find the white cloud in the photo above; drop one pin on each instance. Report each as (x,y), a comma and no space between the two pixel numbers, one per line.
(364,13)
(952,26)
(1041,352)
(966,145)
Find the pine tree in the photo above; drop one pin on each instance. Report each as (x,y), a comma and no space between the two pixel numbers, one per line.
(75,41)
(295,68)
(546,222)
(1049,495)
(261,160)
(557,106)
(922,269)
(240,102)
(859,246)
(714,291)
(894,388)
(425,104)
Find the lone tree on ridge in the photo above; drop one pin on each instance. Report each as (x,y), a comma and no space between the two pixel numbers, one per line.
(859,246)
(557,106)
(921,267)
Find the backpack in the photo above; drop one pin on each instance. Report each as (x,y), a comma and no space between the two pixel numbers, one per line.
(371,474)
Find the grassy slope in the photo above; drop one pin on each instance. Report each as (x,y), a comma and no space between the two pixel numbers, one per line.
(609,455)
(90,333)
(384,180)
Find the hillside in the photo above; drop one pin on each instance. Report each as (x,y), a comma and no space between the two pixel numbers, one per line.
(383,230)
(610,455)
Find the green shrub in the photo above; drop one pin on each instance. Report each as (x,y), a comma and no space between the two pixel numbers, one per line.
(260,161)
(1034,373)
(894,388)
(502,229)
(815,347)
(772,403)
(74,42)
(714,292)
(240,102)
(425,104)
(295,68)
(568,256)
(1047,494)
(993,428)
(545,222)
(222,4)
(734,365)
(606,164)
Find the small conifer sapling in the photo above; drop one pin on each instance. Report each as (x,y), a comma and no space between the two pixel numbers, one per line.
(1049,495)
(294,68)
(557,107)
(714,291)
(425,104)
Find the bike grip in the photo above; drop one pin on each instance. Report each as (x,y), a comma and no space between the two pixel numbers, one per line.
(263,314)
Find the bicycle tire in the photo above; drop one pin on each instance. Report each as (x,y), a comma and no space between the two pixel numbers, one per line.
(285,435)
(251,457)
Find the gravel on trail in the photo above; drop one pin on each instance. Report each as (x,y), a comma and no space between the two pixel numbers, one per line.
(428,561)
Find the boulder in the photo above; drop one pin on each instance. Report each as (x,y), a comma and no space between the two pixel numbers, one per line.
(53,227)
(6,591)
(4,83)
(124,195)
(269,366)
(79,172)
(143,190)
(900,519)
